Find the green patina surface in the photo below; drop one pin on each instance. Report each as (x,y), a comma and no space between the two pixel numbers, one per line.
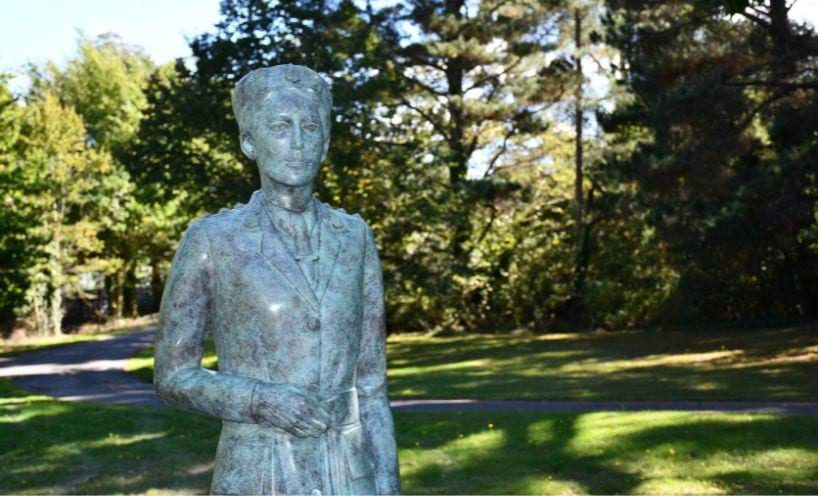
(292,292)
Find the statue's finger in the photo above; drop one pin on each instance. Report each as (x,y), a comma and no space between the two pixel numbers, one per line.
(309,429)
(317,424)
(298,431)
(321,414)
(309,418)
(286,420)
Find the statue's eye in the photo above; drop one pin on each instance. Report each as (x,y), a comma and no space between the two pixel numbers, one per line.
(279,126)
(310,127)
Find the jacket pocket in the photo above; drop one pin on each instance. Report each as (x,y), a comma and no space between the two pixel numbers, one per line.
(358,459)
(240,468)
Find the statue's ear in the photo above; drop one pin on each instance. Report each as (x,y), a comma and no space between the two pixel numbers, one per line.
(247,146)
(326,149)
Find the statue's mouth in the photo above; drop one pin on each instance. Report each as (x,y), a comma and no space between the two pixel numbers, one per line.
(298,164)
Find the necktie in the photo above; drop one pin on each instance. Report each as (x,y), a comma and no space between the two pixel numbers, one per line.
(305,253)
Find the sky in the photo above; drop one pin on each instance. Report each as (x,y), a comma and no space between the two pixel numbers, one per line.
(805,10)
(42,30)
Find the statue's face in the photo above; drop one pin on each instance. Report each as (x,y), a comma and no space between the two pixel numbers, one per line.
(286,138)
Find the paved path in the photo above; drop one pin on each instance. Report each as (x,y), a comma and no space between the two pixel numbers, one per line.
(93,371)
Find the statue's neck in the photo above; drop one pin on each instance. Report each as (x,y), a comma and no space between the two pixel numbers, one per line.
(295,198)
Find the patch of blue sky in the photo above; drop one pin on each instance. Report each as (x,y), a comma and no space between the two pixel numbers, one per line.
(38,31)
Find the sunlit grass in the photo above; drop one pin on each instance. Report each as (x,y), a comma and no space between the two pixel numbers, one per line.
(642,453)
(757,364)
(47,446)
(753,364)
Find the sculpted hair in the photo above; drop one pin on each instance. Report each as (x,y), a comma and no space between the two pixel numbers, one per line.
(253,88)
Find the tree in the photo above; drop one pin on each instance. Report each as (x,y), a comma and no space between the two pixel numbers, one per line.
(106,84)
(58,181)
(477,85)
(13,256)
(721,135)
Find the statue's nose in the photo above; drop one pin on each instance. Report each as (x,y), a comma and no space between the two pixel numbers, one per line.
(297,143)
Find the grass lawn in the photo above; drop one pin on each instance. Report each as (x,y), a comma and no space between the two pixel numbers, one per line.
(752,364)
(48,446)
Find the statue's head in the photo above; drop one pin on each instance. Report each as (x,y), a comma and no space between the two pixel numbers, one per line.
(283,114)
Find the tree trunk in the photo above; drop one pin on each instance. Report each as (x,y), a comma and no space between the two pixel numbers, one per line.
(578,121)
(576,306)
(129,296)
(113,289)
(55,312)
(157,285)
(458,161)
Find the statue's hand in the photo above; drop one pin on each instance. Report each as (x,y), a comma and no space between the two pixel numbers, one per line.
(291,408)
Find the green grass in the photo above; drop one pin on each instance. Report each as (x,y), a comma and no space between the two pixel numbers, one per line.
(753,364)
(48,446)
(141,364)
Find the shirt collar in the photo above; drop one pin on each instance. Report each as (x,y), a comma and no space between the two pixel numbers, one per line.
(281,214)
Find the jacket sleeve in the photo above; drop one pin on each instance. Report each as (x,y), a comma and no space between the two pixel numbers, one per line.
(184,322)
(376,416)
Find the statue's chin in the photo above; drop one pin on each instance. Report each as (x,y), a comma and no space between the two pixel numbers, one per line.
(295,173)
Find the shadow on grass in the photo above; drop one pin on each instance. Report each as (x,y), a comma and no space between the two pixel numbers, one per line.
(771,364)
(48,446)
(729,365)
(666,453)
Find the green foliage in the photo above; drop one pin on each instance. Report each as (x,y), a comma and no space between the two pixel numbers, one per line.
(105,85)
(453,135)
(722,143)
(178,152)
(473,86)
(74,214)
(54,189)
(13,253)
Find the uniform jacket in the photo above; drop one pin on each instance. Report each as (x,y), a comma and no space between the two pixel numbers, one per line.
(233,276)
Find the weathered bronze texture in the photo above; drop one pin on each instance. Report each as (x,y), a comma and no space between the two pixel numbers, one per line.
(293,293)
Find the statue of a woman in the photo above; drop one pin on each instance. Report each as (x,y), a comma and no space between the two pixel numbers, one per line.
(292,291)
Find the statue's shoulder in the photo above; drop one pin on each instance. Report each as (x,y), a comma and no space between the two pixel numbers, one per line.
(340,218)
(225,220)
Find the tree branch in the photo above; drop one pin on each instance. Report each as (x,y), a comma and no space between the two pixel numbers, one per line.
(500,152)
(425,86)
(427,117)
(755,19)
(779,84)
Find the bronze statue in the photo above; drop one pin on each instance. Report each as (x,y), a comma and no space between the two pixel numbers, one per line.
(292,291)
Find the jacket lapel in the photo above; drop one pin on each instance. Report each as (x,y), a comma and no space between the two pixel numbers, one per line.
(273,249)
(331,242)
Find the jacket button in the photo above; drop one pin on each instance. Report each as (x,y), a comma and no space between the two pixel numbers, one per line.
(314,324)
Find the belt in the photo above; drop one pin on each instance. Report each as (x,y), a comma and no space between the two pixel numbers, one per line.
(342,408)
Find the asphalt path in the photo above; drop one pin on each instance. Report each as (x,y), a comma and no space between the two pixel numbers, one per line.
(94,372)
